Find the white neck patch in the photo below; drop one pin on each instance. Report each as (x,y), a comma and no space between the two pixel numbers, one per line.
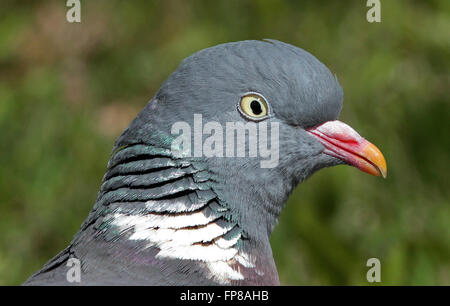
(198,236)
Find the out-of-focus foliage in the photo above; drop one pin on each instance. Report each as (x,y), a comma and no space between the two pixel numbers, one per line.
(67,91)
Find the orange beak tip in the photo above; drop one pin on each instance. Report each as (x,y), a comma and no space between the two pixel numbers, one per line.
(375,159)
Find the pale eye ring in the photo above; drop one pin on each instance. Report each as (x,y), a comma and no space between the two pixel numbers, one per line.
(253,106)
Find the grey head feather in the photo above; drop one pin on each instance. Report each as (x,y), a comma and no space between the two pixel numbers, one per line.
(301,91)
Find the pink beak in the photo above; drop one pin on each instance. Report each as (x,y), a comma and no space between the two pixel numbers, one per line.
(343,142)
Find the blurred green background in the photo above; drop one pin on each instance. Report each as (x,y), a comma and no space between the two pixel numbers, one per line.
(68,90)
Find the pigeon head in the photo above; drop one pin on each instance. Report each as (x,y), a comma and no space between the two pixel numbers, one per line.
(294,92)
(196,183)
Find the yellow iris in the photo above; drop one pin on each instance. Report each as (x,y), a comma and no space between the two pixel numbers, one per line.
(254,106)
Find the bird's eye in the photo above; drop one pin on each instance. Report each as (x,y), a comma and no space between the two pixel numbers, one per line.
(253,106)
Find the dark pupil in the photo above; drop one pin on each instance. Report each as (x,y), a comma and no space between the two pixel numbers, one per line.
(256,107)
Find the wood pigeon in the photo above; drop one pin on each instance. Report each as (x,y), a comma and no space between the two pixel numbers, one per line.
(201,212)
